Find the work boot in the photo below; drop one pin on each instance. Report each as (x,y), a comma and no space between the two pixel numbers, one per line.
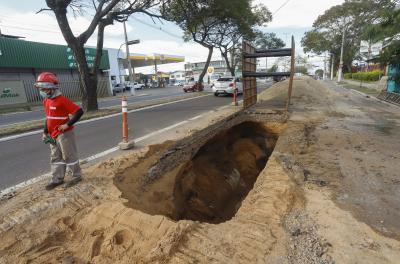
(53,185)
(73,182)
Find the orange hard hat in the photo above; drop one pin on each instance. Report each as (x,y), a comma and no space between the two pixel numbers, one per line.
(47,80)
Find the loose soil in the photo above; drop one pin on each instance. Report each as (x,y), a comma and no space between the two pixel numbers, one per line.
(321,188)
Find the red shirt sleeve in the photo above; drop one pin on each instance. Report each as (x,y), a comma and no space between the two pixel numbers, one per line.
(69,106)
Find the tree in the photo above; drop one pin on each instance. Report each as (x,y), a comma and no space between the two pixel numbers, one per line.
(268,41)
(274,68)
(105,13)
(386,30)
(239,24)
(216,24)
(196,18)
(348,18)
(369,34)
(301,69)
(319,73)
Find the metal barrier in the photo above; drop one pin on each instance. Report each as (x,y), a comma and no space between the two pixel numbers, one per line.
(249,71)
(70,89)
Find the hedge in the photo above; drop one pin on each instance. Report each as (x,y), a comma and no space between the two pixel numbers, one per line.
(347,75)
(366,76)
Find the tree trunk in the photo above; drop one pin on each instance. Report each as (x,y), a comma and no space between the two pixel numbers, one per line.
(88,80)
(203,73)
(224,54)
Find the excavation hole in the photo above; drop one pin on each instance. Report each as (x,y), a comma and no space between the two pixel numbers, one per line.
(212,185)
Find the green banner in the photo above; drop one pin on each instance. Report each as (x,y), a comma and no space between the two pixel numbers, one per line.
(90,54)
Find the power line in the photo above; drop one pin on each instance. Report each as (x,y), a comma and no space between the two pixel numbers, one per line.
(30,29)
(276,11)
(158,28)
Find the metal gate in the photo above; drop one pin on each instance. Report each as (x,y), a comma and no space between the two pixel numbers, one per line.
(249,71)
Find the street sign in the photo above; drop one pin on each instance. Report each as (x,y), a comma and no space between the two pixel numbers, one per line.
(210,70)
(90,55)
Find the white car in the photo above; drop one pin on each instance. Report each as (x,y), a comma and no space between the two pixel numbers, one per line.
(226,86)
(178,84)
(138,86)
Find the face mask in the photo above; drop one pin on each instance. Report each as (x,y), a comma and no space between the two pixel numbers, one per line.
(44,95)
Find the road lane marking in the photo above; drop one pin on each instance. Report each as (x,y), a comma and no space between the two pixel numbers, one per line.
(8,138)
(93,157)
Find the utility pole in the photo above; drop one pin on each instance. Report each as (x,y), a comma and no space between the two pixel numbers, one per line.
(286,38)
(340,71)
(131,72)
(332,65)
(325,75)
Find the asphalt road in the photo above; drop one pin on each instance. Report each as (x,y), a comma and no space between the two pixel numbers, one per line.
(141,95)
(27,157)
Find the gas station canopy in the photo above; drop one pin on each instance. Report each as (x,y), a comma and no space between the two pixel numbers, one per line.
(143,60)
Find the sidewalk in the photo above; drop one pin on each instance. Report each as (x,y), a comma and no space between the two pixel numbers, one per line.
(369,85)
(371,89)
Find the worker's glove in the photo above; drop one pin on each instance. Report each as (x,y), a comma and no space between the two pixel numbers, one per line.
(48,139)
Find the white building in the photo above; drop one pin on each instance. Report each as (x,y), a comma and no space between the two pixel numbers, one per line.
(215,70)
(177,76)
(117,71)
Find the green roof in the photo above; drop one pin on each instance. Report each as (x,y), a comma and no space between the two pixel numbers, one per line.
(16,53)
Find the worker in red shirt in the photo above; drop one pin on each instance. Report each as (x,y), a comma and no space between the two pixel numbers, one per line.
(61,115)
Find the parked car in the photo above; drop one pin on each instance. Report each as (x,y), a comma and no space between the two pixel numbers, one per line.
(178,84)
(138,86)
(193,86)
(135,85)
(226,86)
(119,88)
(279,78)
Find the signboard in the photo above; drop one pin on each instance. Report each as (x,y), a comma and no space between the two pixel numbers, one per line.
(210,70)
(89,53)
(12,92)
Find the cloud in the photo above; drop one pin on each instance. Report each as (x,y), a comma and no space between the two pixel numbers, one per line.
(297,13)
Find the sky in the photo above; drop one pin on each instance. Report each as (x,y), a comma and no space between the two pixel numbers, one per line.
(290,17)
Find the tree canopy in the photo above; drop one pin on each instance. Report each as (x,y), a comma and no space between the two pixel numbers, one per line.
(387,30)
(268,41)
(217,24)
(350,17)
(104,13)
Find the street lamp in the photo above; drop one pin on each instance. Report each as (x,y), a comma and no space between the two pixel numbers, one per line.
(131,42)
(130,69)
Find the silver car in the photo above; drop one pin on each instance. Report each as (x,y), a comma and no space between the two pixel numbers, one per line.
(226,86)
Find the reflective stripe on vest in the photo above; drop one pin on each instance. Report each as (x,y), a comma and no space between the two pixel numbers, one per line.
(57,117)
